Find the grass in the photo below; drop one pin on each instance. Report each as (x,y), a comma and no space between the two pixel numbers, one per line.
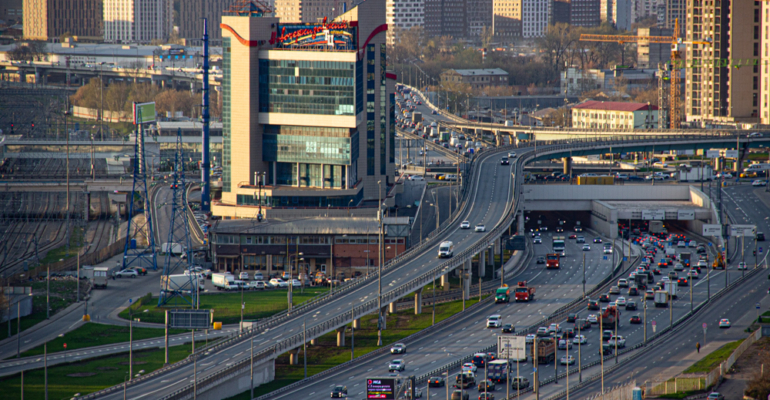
(66,380)
(93,334)
(227,306)
(325,354)
(679,395)
(62,294)
(711,361)
(62,252)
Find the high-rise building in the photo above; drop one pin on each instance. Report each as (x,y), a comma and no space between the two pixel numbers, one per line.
(191,12)
(44,19)
(403,15)
(12,11)
(675,9)
(506,20)
(479,17)
(577,12)
(535,17)
(648,55)
(446,18)
(723,78)
(310,11)
(137,21)
(622,13)
(308,113)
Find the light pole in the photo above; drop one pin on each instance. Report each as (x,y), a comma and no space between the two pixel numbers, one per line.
(379,266)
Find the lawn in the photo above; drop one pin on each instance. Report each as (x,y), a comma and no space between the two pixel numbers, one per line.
(66,381)
(62,252)
(325,354)
(93,334)
(227,306)
(62,294)
(711,361)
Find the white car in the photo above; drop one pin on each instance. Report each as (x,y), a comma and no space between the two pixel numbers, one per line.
(396,365)
(537,240)
(295,283)
(622,283)
(257,285)
(243,276)
(592,318)
(742,266)
(278,283)
(724,323)
(469,367)
(681,243)
(621,301)
(512,154)
(530,338)
(554,328)
(465,225)
(724,175)
(580,339)
(586,247)
(127,273)
(702,263)
(494,321)
(398,348)
(693,274)
(567,360)
(563,344)
(480,228)
(759,182)
(416,178)
(619,339)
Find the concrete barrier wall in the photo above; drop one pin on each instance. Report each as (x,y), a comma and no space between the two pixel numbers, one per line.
(604,219)
(237,384)
(560,193)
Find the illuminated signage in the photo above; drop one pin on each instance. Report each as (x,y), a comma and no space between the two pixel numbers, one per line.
(338,35)
(381,388)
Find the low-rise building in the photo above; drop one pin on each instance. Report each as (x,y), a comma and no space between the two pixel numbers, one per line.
(477,78)
(614,115)
(575,81)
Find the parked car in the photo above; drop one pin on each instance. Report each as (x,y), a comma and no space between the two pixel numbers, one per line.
(127,273)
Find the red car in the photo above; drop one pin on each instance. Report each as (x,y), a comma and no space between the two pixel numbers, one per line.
(635,319)
(573,236)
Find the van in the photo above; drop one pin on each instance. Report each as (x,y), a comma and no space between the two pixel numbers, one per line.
(446,249)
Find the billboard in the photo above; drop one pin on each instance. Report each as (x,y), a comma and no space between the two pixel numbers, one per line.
(144,113)
(712,230)
(338,35)
(743,230)
(381,388)
(511,347)
(712,153)
(189,319)
(731,153)
(654,215)
(685,215)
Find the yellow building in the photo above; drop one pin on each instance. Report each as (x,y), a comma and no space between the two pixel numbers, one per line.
(614,115)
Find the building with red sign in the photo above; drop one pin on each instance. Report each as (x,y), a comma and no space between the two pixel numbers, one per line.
(307,114)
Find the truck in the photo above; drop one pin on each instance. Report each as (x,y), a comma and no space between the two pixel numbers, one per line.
(610,315)
(558,245)
(524,292)
(670,287)
(416,117)
(433,132)
(101,276)
(685,258)
(661,298)
(546,351)
(222,281)
(552,261)
(465,380)
(171,248)
(178,283)
(445,136)
(657,227)
(719,262)
(454,142)
(503,294)
(446,249)
(695,174)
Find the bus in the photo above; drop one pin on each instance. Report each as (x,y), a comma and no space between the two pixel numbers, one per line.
(558,245)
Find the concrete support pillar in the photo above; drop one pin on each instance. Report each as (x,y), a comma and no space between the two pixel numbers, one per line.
(445,282)
(341,336)
(313,342)
(482,263)
(567,161)
(357,323)
(418,302)
(496,248)
(739,163)
(392,308)
(384,318)
(466,280)
(293,358)
(520,224)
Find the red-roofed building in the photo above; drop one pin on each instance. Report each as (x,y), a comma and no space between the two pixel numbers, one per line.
(614,115)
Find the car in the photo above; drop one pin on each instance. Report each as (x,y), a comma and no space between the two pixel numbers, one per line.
(580,239)
(559,229)
(586,247)
(592,318)
(554,328)
(656,271)
(633,291)
(294,283)
(416,178)
(469,367)
(278,283)
(621,301)
(460,395)
(339,391)
(673,276)
(578,228)
(140,270)
(597,240)
(678,267)
(537,240)
(572,317)
(760,237)
(563,344)
(494,321)
(663,263)
(530,338)
(693,274)
(398,348)
(480,360)
(635,319)
(542,331)
(593,304)
(573,236)
(257,285)
(396,365)
(621,341)
(433,112)
(724,323)
(504,161)
(486,385)
(742,266)
(465,225)
(755,134)
(607,334)
(683,282)
(681,243)
(631,305)
(622,283)
(511,154)
(543,228)
(649,294)
(614,290)
(580,339)
(244,276)
(127,273)
(605,298)
(725,175)
(436,381)
(715,396)
(540,260)
(480,228)
(567,360)
(507,328)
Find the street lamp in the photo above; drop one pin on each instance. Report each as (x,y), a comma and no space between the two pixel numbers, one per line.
(379,266)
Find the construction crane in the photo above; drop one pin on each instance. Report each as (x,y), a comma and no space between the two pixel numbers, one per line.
(674,40)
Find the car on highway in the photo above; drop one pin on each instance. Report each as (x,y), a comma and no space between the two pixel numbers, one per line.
(488,385)
(494,321)
(469,367)
(586,247)
(614,290)
(460,395)
(656,271)
(572,317)
(631,305)
(621,341)
(605,298)
(398,348)
(572,236)
(540,260)
(725,175)
(683,282)
(663,263)
(559,229)
(715,396)
(542,331)
(607,334)
(504,161)
(507,328)
(742,266)
(480,360)
(592,318)
(554,328)
(339,392)
(633,291)
(681,243)
(578,228)
(620,301)
(672,276)
(759,182)
(567,360)
(635,319)
(530,338)
(436,381)
(396,365)
(480,228)
(693,274)
(678,267)
(465,225)
(724,323)
(580,339)
(512,154)
(537,240)
(597,240)
(622,283)
(593,304)
(433,112)
(580,239)
(649,294)
(127,273)
(486,396)
(563,344)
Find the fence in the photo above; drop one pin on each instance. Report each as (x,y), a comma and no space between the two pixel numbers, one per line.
(88,259)
(620,392)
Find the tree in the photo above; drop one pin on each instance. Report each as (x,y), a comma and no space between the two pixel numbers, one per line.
(559,38)
(487,35)
(115,97)
(88,95)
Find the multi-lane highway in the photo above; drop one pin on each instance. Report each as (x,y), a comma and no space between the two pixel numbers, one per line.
(490,198)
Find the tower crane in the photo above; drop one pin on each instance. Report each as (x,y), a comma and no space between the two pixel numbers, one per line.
(674,40)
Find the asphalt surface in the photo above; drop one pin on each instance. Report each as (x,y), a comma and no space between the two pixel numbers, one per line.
(490,199)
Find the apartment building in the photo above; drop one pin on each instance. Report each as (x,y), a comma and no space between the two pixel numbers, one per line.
(614,115)
(191,12)
(477,78)
(674,9)
(137,21)
(648,55)
(583,13)
(12,11)
(309,11)
(479,17)
(723,79)
(403,15)
(446,18)
(535,17)
(308,113)
(45,19)
(506,20)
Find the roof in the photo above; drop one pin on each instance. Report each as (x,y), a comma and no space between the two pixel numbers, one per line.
(114,50)
(304,226)
(469,72)
(614,106)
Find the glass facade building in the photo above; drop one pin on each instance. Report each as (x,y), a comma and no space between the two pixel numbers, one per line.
(307,87)
(226,113)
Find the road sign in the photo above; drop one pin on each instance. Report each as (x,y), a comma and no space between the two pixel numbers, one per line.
(731,153)
(653,326)
(381,388)
(511,347)
(743,230)
(711,244)
(625,258)
(757,306)
(655,215)
(712,230)
(685,215)
(760,250)
(704,325)
(712,153)
(605,257)
(189,319)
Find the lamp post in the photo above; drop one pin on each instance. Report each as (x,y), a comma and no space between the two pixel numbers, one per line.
(379,266)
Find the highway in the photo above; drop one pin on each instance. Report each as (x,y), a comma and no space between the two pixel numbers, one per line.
(554,289)
(490,198)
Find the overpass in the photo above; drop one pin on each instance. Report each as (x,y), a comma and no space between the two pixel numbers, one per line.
(491,195)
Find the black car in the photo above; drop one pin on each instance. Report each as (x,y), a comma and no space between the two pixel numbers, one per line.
(540,260)
(582,324)
(630,305)
(605,298)
(760,237)
(571,317)
(593,304)
(488,384)
(508,328)
(568,333)
(597,240)
(436,381)
(559,229)
(633,291)
(339,391)
(606,334)
(504,161)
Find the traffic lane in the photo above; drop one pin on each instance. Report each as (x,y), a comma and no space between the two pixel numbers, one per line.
(469,333)
(496,203)
(666,354)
